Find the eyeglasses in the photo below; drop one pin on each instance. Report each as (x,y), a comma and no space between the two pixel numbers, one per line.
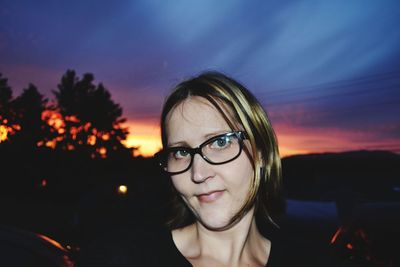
(217,150)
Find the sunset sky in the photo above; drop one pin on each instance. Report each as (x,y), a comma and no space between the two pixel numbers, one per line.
(327,72)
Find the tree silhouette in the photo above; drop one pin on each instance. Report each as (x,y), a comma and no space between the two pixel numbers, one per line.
(91,119)
(7,125)
(5,93)
(28,109)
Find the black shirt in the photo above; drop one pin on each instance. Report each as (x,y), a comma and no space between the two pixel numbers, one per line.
(126,247)
(151,246)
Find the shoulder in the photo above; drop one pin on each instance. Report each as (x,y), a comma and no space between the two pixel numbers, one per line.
(288,250)
(131,246)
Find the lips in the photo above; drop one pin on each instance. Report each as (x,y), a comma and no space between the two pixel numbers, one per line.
(210,196)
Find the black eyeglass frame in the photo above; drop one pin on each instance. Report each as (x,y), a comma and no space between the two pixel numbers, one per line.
(241,135)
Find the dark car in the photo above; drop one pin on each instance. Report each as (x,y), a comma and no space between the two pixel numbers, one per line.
(21,248)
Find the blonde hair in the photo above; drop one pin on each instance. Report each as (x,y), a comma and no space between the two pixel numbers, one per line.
(245,112)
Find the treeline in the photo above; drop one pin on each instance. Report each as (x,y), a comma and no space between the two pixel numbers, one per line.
(82,117)
(66,143)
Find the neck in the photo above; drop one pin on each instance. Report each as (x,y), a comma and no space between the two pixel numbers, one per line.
(231,247)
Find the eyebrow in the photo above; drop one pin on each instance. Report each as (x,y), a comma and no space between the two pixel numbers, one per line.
(205,137)
(179,143)
(210,135)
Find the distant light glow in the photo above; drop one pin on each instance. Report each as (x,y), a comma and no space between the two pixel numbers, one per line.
(122,189)
(349,246)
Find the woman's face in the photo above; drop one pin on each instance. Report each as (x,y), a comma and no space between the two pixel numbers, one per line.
(214,193)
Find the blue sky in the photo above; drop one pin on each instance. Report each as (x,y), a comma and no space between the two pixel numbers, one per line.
(328,72)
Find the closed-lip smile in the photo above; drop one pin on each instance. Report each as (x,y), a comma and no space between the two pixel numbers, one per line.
(210,196)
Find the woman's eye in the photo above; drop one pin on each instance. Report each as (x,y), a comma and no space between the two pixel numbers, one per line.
(222,142)
(181,154)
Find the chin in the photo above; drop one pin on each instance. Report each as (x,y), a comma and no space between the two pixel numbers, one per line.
(215,222)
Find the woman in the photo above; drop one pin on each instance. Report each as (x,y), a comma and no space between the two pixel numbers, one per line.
(222,156)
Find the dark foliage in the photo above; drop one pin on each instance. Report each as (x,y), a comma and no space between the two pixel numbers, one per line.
(28,109)
(92,119)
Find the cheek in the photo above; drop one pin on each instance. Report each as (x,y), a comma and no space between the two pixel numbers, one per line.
(244,181)
(180,184)
(242,172)
(240,186)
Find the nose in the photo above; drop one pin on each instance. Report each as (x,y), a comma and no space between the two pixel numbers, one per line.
(200,170)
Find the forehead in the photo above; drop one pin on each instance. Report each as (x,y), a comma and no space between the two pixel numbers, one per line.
(194,120)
